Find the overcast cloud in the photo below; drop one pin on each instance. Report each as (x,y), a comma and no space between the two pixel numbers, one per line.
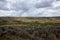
(30,8)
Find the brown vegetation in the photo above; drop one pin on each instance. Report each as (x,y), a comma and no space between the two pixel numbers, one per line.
(29,33)
(31,19)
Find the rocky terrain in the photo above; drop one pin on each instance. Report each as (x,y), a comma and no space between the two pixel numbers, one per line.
(29,33)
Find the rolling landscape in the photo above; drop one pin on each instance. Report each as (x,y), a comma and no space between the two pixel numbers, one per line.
(29,28)
(28,21)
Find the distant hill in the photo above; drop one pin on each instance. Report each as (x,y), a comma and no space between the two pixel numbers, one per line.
(31,19)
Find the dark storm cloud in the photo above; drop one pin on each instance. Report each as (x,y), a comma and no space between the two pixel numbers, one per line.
(57,0)
(2,5)
(3,0)
(43,4)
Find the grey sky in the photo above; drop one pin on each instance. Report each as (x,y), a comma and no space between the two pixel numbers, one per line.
(30,8)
